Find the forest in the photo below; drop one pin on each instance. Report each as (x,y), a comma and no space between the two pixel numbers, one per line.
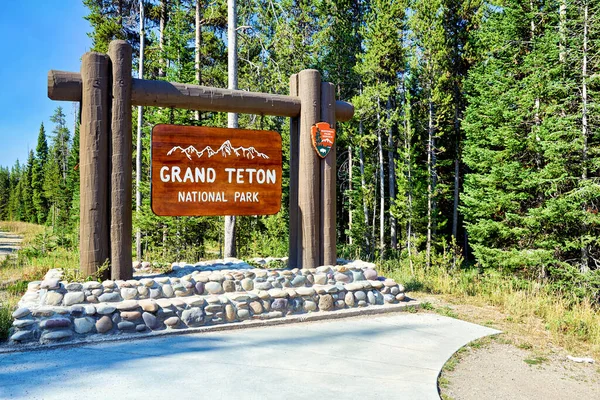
(474,144)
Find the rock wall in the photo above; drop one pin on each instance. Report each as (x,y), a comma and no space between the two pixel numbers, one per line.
(208,293)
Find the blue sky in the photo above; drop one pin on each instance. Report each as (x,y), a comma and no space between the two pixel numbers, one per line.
(37,36)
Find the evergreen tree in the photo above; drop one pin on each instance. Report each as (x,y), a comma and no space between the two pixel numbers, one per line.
(4,193)
(28,206)
(529,200)
(72,185)
(111,20)
(37,177)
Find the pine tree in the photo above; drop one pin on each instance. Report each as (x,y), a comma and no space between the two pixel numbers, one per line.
(37,177)
(28,206)
(111,20)
(72,184)
(4,193)
(528,202)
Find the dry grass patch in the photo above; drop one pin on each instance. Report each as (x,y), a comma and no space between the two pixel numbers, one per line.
(38,254)
(526,311)
(25,229)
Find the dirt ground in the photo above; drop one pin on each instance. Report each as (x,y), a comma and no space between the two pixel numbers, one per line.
(502,371)
(521,363)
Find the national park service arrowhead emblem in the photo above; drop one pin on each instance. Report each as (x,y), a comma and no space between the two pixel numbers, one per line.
(323,138)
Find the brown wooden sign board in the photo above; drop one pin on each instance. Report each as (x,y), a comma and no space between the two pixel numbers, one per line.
(204,171)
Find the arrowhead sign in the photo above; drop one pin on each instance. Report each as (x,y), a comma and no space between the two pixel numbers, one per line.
(323,138)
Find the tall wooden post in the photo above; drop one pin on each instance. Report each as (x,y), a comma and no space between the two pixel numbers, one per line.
(309,171)
(328,186)
(120,161)
(93,164)
(293,206)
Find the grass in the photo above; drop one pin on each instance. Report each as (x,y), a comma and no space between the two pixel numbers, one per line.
(28,231)
(537,360)
(526,311)
(38,254)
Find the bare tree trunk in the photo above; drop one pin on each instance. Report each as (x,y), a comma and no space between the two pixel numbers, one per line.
(161,39)
(392,178)
(562,30)
(408,172)
(363,186)
(198,45)
(584,131)
(536,118)
(350,167)
(232,118)
(381,185)
(432,178)
(456,173)
(372,251)
(138,156)
(164,240)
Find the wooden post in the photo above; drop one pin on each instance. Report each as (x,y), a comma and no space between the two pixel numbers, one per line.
(120,161)
(328,177)
(93,164)
(293,261)
(309,171)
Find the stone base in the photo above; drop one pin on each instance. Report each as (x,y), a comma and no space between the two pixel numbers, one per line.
(204,295)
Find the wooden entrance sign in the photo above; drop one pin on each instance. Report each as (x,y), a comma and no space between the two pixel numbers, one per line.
(107,92)
(206,171)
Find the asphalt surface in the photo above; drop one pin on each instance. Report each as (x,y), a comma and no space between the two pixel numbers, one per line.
(391,356)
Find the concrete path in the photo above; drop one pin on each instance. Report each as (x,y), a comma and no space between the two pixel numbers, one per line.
(394,356)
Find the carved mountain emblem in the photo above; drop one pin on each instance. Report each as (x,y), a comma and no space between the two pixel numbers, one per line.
(323,138)
(225,150)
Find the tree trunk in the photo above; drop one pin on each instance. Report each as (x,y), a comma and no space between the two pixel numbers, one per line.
(198,45)
(161,39)
(408,172)
(363,186)
(392,178)
(432,179)
(138,156)
(350,167)
(232,118)
(381,185)
(584,133)
(374,242)
(562,30)
(456,171)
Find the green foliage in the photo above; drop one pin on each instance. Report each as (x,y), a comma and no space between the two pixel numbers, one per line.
(530,198)
(111,20)
(502,82)
(37,178)
(536,360)
(6,321)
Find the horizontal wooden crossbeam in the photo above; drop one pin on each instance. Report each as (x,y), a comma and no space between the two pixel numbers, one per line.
(66,86)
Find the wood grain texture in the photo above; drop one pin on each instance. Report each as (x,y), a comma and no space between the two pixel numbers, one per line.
(93,164)
(309,175)
(195,97)
(293,199)
(119,52)
(66,86)
(171,151)
(328,178)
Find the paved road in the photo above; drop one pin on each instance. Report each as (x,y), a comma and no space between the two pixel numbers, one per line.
(9,243)
(393,356)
